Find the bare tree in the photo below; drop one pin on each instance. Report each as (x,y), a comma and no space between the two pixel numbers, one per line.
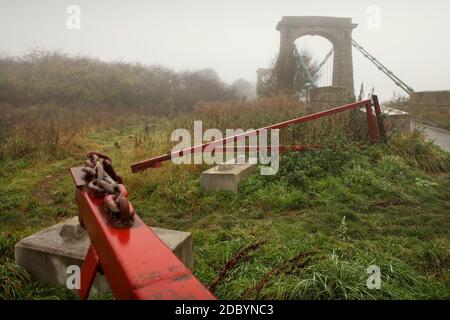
(269,79)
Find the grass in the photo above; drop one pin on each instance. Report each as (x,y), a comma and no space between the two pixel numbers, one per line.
(437,116)
(323,219)
(433,115)
(318,224)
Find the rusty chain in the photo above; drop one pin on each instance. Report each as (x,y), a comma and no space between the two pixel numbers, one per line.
(102,180)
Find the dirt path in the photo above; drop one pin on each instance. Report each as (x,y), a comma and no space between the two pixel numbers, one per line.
(45,187)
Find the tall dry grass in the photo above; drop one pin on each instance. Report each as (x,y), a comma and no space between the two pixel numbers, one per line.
(49,101)
(274,109)
(50,130)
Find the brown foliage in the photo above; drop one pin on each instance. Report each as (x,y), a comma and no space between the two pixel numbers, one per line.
(241,255)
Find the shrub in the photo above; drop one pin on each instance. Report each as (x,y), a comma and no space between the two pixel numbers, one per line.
(418,152)
(43,77)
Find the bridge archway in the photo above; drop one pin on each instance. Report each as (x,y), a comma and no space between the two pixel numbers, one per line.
(318,50)
(337,30)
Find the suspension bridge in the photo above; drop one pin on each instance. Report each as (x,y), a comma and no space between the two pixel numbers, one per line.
(322,75)
(331,82)
(336,68)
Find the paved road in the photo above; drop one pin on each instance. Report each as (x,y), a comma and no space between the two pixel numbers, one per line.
(440,137)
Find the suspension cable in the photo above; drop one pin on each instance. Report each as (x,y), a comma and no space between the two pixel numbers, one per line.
(383,69)
(301,65)
(325,60)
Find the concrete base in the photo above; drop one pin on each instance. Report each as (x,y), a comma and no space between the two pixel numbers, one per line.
(225,176)
(323,98)
(46,255)
(394,120)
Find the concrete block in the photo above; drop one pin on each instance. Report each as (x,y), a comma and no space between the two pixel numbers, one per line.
(46,255)
(394,120)
(323,98)
(225,176)
(333,94)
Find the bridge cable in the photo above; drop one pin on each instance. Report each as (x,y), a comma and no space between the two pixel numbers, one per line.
(302,66)
(324,60)
(383,69)
(323,69)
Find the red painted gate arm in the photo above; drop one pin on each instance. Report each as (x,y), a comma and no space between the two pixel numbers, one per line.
(156,161)
(136,263)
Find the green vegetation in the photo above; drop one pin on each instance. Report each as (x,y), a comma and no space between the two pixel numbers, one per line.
(436,116)
(346,207)
(43,77)
(308,232)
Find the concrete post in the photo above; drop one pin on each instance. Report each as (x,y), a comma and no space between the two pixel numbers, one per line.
(343,63)
(285,67)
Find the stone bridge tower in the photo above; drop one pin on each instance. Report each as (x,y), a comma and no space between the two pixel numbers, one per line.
(337,30)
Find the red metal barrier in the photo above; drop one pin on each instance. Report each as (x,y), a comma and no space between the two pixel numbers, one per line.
(367,104)
(136,263)
(381,129)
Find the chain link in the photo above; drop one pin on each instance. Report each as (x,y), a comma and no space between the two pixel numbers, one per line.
(102,180)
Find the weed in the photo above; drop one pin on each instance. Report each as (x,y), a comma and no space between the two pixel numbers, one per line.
(241,255)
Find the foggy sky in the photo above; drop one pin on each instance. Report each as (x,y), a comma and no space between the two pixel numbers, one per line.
(235,37)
